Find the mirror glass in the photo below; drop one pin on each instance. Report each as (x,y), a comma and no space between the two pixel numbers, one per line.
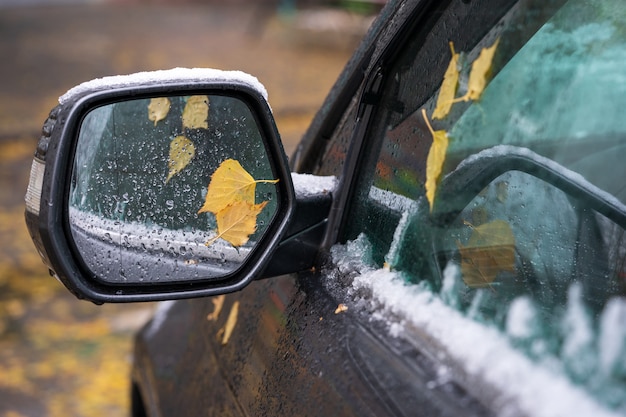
(170,189)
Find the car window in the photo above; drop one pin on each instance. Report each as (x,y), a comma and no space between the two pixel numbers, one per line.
(336,150)
(510,193)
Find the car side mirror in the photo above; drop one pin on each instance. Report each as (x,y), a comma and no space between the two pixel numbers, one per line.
(158,185)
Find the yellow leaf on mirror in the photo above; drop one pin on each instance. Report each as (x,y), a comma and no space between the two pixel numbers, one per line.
(434,161)
(196,113)
(182,152)
(230,183)
(158,109)
(448,87)
(478,74)
(489,251)
(237,222)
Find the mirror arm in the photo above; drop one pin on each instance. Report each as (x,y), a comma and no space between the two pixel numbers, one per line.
(298,250)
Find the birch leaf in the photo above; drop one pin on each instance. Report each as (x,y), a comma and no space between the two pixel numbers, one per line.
(490,250)
(230,183)
(434,162)
(237,222)
(448,87)
(158,109)
(196,113)
(478,74)
(182,152)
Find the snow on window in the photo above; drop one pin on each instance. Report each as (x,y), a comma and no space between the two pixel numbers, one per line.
(486,355)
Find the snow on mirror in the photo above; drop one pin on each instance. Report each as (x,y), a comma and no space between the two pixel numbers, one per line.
(170,189)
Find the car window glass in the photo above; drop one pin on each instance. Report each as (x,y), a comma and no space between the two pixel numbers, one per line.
(334,155)
(529,205)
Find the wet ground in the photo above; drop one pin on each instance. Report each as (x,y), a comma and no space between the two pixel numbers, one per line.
(60,356)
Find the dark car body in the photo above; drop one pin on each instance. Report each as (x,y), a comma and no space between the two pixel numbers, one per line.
(502,295)
(291,354)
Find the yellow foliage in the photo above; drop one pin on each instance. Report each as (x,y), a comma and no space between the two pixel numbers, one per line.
(196,113)
(158,109)
(237,222)
(218,303)
(435,160)
(228,328)
(478,74)
(182,152)
(231,198)
(490,250)
(229,184)
(448,87)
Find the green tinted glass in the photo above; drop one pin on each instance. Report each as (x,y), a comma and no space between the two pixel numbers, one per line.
(525,231)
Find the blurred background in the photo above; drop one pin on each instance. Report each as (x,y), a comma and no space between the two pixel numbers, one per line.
(64,357)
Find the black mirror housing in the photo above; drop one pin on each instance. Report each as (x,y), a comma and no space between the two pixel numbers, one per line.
(53,184)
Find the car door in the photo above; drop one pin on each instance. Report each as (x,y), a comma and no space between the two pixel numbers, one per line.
(403,317)
(288,344)
(484,224)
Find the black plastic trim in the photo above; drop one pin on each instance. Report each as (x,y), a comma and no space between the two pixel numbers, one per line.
(53,226)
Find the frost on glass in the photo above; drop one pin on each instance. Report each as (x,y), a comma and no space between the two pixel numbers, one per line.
(141,177)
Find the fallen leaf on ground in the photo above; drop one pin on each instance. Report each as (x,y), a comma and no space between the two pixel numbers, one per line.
(230,183)
(158,109)
(196,113)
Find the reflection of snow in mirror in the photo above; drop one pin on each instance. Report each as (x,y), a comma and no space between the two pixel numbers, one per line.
(179,254)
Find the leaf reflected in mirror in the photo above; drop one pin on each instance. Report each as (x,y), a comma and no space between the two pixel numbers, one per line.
(196,113)
(158,109)
(181,153)
(237,222)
